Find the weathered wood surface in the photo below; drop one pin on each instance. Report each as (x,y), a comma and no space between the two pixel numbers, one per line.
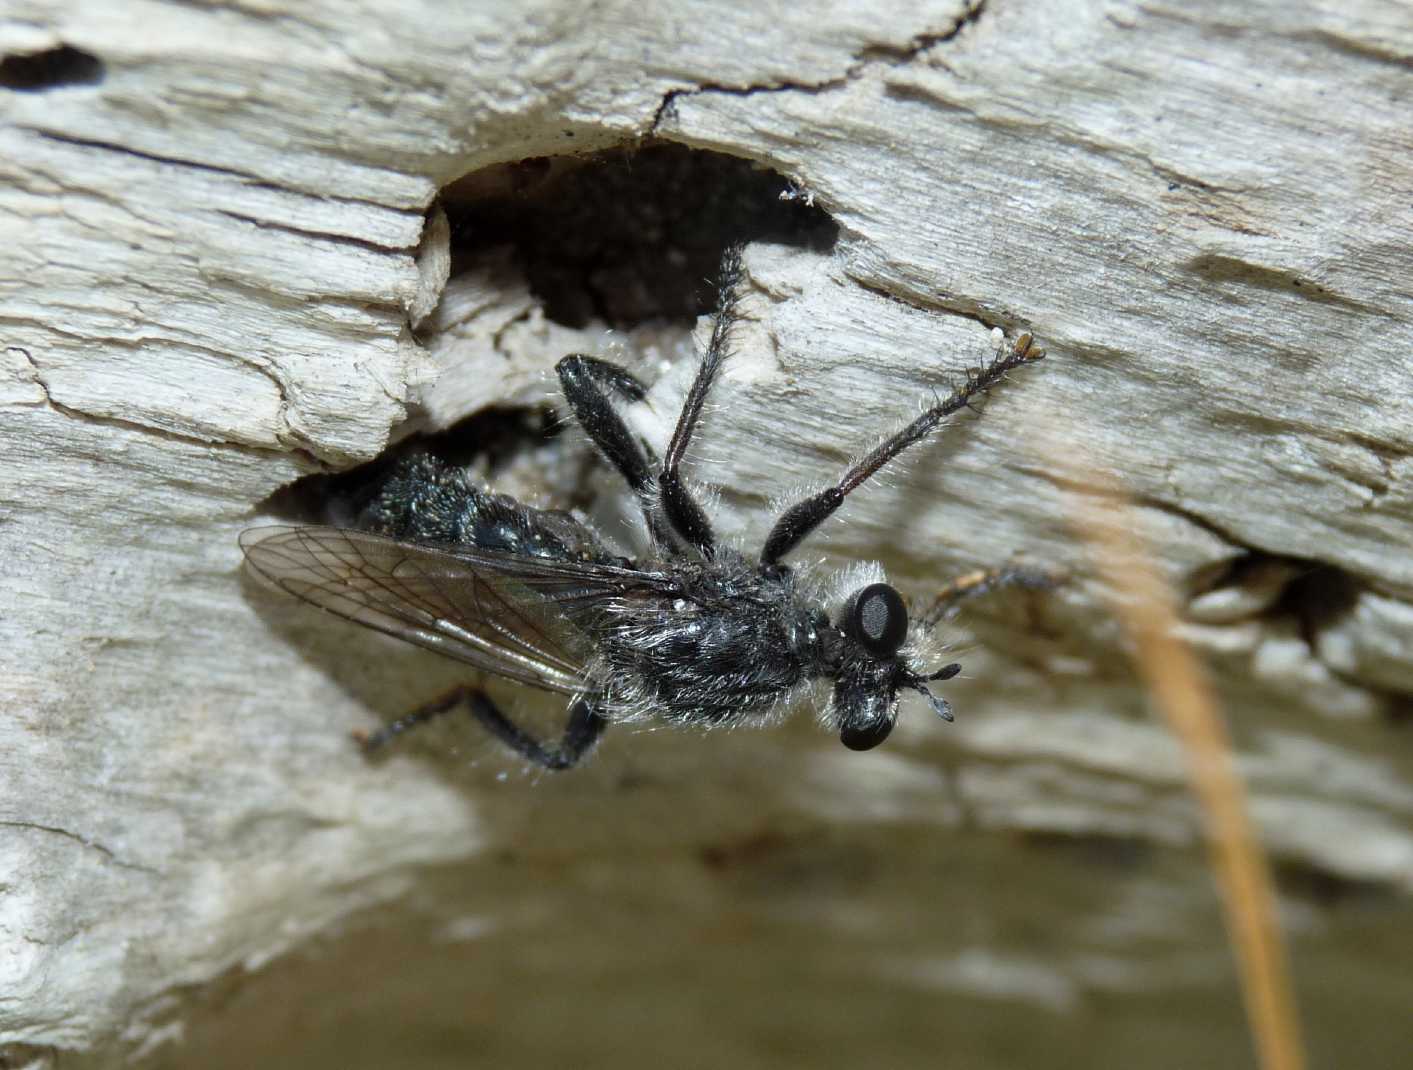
(213,259)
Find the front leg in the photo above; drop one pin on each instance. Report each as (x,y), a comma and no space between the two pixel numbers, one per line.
(804,516)
(983,581)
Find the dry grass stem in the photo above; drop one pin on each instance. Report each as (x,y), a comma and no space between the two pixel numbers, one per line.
(1145,604)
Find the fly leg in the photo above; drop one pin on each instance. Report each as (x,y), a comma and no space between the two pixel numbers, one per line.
(683,512)
(585,726)
(582,731)
(983,581)
(806,515)
(373,741)
(586,382)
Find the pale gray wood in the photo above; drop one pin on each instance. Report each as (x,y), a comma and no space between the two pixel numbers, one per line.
(213,263)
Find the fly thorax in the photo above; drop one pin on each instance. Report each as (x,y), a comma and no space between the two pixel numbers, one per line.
(812,639)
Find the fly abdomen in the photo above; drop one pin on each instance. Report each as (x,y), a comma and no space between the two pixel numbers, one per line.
(703,664)
(426,500)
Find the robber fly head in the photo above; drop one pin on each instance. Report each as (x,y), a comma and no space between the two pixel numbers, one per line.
(872,667)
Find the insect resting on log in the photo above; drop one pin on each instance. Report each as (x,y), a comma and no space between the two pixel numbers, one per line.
(692,632)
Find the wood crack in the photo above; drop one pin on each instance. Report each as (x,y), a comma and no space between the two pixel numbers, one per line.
(318,235)
(92,845)
(866,57)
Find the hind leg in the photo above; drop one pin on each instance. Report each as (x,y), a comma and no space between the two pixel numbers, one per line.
(582,731)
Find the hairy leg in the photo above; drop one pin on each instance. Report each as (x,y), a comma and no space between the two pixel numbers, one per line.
(442,704)
(804,516)
(981,582)
(586,383)
(581,732)
(682,510)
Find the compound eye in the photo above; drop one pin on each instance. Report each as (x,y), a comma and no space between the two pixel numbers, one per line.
(878,620)
(867,737)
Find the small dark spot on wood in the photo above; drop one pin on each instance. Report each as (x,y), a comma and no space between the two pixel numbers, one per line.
(1329,890)
(53,68)
(752,850)
(1108,852)
(1398,710)
(14,1056)
(1318,599)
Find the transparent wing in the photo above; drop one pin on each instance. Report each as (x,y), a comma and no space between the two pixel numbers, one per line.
(506,614)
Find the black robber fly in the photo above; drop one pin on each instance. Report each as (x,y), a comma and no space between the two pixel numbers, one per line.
(694,632)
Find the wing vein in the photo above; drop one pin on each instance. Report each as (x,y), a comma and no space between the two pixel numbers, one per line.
(528,619)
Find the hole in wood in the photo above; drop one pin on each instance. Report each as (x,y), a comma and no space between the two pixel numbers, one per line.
(53,68)
(628,235)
